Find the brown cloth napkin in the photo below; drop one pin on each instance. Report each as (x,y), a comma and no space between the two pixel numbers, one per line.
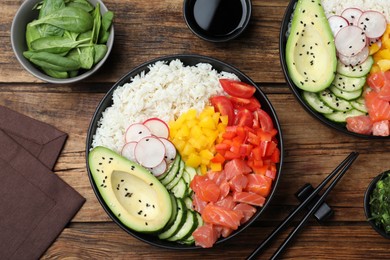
(35,204)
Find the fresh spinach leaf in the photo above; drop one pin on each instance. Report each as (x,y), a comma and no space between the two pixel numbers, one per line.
(107,20)
(48,7)
(83,4)
(32,33)
(87,55)
(97,21)
(52,61)
(100,52)
(56,74)
(55,44)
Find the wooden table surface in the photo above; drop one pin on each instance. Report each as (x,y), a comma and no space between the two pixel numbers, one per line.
(149,29)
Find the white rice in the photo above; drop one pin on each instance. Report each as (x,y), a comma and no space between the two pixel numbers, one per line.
(165,92)
(333,7)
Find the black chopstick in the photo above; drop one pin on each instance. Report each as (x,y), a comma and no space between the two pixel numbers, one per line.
(339,171)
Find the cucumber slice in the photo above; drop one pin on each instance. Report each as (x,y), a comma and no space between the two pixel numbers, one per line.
(180,189)
(345,83)
(179,221)
(355,71)
(190,173)
(174,166)
(188,202)
(341,117)
(172,183)
(359,106)
(190,224)
(314,102)
(172,173)
(174,212)
(190,239)
(333,101)
(347,95)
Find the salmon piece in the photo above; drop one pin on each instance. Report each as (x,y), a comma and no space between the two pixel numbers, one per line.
(247,210)
(249,198)
(225,189)
(378,109)
(259,184)
(381,128)
(359,124)
(227,202)
(216,215)
(376,80)
(198,204)
(238,182)
(235,167)
(224,231)
(205,236)
(384,92)
(205,188)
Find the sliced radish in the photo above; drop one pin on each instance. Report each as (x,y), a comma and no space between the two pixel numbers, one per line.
(157,127)
(128,151)
(356,59)
(373,23)
(159,169)
(149,151)
(337,22)
(352,15)
(136,132)
(350,40)
(371,41)
(170,150)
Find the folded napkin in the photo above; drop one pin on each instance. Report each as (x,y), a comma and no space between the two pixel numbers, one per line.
(35,204)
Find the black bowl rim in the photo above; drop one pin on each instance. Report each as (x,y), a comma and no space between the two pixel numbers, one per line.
(215,39)
(42,76)
(367,208)
(296,91)
(266,104)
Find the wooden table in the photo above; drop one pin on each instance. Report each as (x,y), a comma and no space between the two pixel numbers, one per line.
(149,29)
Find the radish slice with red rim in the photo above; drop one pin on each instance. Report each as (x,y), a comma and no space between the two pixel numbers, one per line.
(170,150)
(350,40)
(356,59)
(352,15)
(149,151)
(157,127)
(336,23)
(136,132)
(371,41)
(373,23)
(159,169)
(128,151)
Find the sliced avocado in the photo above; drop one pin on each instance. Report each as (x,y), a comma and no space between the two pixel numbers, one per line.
(132,193)
(310,51)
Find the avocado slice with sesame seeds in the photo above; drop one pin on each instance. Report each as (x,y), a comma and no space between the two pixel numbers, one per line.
(133,194)
(310,51)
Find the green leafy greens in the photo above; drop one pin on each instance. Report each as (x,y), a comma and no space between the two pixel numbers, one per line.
(68,37)
(380,203)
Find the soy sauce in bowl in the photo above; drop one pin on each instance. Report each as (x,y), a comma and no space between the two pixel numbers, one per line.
(217,20)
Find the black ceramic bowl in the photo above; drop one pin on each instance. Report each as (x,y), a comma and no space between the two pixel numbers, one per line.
(367,207)
(216,20)
(298,92)
(188,60)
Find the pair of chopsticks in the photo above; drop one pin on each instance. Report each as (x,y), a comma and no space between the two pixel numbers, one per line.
(337,174)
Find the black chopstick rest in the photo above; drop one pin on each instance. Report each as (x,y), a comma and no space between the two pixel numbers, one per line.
(324,212)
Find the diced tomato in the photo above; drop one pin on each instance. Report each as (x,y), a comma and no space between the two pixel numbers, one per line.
(218,158)
(259,184)
(275,157)
(260,169)
(244,117)
(248,103)
(381,128)
(205,236)
(223,105)
(359,124)
(249,198)
(221,216)
(229,155)
(265,120)
(237,88)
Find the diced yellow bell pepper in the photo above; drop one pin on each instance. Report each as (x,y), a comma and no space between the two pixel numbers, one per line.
(384,65)
(194,160)
(216,167)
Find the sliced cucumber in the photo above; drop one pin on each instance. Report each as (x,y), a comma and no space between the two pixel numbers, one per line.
(180,189)
(333,101)
(190,239)
(316,103)
(346,83)
(341,117)
(355,71)
(174,212)
(188,202)
(347,95)
(190,224)
(359,106)
(189,174)
(179,221)
(173,167)
(172,173)
(176,178)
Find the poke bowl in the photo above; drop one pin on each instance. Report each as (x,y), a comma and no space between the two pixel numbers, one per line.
(165,201)
(333,60)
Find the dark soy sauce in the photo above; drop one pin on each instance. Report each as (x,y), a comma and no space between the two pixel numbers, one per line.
(220,17)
